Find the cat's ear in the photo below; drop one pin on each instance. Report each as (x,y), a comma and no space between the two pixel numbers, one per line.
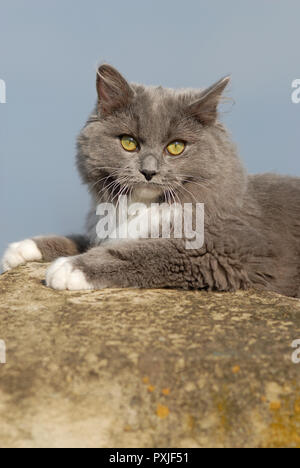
(113,90)
(205,109)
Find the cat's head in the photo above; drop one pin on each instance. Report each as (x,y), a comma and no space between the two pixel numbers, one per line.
(157,143)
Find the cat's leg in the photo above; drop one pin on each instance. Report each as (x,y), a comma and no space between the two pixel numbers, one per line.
(151,263)
(44,248)
(128,264)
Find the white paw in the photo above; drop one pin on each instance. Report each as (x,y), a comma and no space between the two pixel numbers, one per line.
(62,275)
(20,253)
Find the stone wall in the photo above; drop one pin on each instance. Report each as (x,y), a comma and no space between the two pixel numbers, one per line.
(146,368)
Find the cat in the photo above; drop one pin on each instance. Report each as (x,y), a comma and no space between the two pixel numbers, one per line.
(158,144)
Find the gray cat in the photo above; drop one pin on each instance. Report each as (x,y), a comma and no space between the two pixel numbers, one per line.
(155,145)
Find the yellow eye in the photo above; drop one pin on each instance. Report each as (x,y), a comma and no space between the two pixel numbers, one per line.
(176,148)
(129,143)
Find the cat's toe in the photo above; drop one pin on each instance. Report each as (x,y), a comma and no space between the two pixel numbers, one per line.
(62,275)
(19,253)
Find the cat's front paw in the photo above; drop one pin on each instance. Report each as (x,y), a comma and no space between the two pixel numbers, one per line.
(20,253)
(63,275)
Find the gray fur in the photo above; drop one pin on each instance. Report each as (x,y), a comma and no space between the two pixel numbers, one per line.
(252,227)
(53,247)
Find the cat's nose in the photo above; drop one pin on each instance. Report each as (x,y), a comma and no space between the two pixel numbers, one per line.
(148,174)
(149,167)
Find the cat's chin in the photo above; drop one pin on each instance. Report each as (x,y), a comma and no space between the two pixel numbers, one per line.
(145,193)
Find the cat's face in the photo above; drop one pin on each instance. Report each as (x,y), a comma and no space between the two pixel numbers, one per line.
(152,143)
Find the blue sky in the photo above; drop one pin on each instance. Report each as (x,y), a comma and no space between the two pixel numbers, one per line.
(48,55)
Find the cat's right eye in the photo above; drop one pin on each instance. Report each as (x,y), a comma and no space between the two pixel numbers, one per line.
(129,143)
(176,148)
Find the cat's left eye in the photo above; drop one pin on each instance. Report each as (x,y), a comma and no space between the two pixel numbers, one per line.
(129,143)
(176,148)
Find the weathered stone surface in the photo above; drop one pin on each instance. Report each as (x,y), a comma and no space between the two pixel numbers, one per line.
(146,368)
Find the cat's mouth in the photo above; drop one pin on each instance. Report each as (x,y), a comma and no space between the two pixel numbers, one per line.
(140,192)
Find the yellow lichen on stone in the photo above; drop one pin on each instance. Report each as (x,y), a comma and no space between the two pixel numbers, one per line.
(162,411)
(275,405)
(284,429)
(151,388)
